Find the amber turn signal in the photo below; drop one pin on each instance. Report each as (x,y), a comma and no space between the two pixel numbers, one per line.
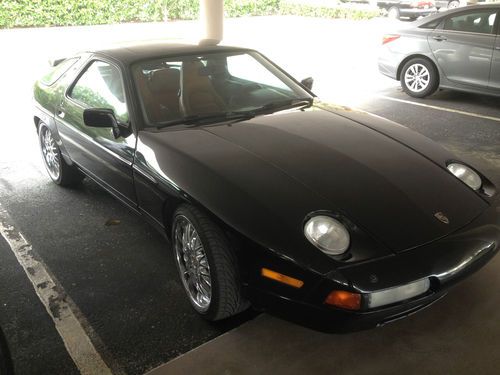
(344,300)
(284,279)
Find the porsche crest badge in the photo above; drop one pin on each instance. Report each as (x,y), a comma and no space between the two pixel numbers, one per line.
(442,217)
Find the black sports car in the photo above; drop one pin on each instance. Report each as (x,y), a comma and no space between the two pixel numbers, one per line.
(268,196)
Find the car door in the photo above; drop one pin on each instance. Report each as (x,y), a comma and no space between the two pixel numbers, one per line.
(495,65)
(96,150)
(463,46)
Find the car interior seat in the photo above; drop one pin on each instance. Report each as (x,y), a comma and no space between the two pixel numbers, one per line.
(198,95)
(159,90)
(164,85)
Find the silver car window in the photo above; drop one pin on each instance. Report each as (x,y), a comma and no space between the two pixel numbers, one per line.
(481,22)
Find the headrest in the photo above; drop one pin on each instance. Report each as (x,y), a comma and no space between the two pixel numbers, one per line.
(212,70)
(164,80)
(193,67)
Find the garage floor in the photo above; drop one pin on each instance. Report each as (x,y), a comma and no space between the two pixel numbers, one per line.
(118,275)
(457,335)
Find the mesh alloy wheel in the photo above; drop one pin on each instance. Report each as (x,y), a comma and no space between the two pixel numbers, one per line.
(193,265)
(51,154)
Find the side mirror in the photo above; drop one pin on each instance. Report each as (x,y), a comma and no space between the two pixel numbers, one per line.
(100,118)
(308,83)
(103,118)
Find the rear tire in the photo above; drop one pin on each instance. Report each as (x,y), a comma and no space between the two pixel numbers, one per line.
(207,265)
(393,13)
(59,171)
(419,78)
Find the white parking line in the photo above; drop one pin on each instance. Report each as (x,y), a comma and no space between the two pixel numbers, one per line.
(56,301)
(477,115)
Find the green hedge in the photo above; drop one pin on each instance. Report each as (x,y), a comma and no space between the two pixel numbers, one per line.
(341,11)
(36,13)
(24,13)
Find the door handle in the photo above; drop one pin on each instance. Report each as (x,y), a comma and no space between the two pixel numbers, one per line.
(439,38)
(497,48)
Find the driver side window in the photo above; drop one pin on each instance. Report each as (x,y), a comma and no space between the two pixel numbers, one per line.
(101,86)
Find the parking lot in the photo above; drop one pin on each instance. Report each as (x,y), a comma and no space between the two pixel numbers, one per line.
(117,275)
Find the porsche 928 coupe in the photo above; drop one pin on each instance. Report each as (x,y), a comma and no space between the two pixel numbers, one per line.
(268,196)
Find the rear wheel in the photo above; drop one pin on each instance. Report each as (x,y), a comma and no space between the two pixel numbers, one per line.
(419,78)
(393,13)
(59,171)
(207,265)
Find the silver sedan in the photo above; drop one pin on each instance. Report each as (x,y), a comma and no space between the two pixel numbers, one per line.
(458,49)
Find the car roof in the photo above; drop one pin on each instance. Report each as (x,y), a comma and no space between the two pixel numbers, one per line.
(130,53)
(435,16)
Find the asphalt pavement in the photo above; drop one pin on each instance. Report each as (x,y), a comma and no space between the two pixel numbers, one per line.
(117,272)
(121,277)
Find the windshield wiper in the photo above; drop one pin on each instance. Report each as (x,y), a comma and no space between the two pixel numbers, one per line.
(210,118)
(239,115)
(284,104)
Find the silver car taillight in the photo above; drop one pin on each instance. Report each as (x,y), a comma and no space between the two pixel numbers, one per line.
(390,38)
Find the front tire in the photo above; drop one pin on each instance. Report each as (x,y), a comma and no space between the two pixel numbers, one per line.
(59,171)
(207,265)
(419,78)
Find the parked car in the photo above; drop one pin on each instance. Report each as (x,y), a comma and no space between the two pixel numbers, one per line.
(411,9)
(458,49)
(267,195)
(447,4)
(452,4)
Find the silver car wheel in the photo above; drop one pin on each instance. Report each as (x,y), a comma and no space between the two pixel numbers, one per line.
(193,264)
(393,13)
(50,153)
(417,78)
(453,4)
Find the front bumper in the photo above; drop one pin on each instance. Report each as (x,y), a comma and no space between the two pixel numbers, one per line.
(445,262)
(326,319)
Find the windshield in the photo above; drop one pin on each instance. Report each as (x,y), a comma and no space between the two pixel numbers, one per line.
(213,85)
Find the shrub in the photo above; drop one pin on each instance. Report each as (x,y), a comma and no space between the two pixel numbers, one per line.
(26,13)
(36,13)
(239,8)
(341,11)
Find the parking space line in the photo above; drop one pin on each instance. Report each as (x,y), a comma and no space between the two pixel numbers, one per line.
(55,300)
(477,115)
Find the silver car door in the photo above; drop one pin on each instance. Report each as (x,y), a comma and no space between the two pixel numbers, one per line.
(463,46)
(495,65)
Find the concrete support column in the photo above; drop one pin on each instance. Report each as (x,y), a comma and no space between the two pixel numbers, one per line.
(212,21)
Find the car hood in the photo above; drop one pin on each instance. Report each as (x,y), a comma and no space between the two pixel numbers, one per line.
(275,169)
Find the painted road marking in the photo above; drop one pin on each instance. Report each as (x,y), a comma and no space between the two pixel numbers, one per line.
(56,301)
(477,115)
